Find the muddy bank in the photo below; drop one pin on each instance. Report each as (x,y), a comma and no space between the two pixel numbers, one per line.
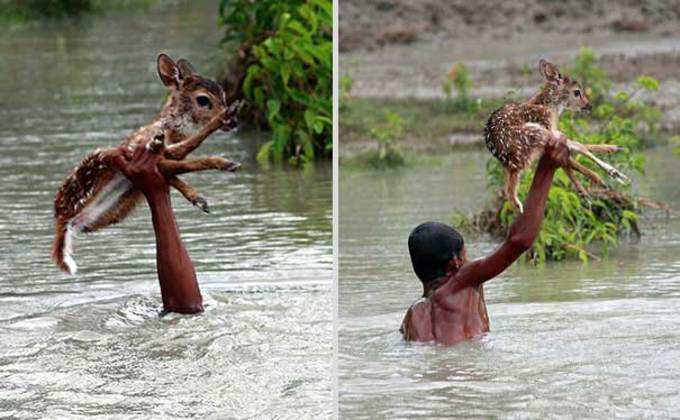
(502,68)
(369,25)
(498,66)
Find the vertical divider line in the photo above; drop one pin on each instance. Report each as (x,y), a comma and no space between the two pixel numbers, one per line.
(336,216)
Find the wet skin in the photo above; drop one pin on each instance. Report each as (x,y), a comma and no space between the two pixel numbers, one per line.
(455,309)
(176,274)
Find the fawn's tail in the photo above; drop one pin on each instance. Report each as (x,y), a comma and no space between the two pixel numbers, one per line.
(110,204)
(62,247)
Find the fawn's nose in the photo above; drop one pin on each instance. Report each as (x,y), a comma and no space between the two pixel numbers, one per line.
(588,107)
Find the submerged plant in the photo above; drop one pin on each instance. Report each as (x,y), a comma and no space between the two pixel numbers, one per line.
(388,153)
(675,142)
(458,78)
(346,83)
(573,223)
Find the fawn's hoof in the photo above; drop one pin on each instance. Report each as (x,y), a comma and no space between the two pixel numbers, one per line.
(201,203)
(518,206)
(582,192)
(230,166)
(619,176)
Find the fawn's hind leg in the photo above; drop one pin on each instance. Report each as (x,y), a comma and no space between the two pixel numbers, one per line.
(189,193)
(612,171)
(176,167)
(594,177)
(511,182)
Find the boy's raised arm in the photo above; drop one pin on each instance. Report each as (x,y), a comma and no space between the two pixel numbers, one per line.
(523,231)
(176,274)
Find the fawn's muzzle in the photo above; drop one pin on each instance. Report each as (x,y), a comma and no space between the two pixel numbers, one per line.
(587,107)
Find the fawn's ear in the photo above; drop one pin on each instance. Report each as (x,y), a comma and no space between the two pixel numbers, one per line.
(549,70)
(185,68)
(168,71)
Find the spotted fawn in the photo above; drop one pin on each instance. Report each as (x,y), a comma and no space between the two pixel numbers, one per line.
(517,133)
(96,195)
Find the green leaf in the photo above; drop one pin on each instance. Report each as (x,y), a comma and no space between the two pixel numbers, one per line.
(647,82)
(273,105)
(285,74)
(309,118)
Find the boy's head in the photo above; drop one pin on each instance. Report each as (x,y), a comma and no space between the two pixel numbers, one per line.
(435,249)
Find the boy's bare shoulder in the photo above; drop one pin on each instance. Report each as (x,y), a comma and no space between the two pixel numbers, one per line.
(417,323)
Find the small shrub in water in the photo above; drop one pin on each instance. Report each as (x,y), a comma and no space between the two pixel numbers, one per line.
(458,78)
(573,223)
(388,154)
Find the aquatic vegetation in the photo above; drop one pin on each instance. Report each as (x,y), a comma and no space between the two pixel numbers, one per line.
(26,10)
(386,134)
(346,83)
(458,78)
(283,67)
(573,223)
(675,142)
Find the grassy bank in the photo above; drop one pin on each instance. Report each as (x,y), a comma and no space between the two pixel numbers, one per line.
(429,126)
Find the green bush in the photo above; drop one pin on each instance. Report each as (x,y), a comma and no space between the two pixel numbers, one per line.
(458,78)
(391,130)
(573,223)
(675,142)
(284,52)
(592,78)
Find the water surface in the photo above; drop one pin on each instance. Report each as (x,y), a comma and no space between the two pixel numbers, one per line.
(581,341)
(93,344)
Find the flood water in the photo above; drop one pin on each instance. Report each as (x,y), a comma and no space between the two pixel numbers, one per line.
(567,339)
(94,344)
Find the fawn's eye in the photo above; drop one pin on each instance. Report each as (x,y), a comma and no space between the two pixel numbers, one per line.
(203,101)
(577,93)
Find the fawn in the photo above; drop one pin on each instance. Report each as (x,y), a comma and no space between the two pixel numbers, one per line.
(516,133)
(96,195)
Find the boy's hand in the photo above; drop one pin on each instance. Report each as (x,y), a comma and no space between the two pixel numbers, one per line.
(141,169)
(557,152)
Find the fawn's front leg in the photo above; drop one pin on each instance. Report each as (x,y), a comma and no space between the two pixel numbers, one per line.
(612,171)
(179,151)
(189,193)
(177,167)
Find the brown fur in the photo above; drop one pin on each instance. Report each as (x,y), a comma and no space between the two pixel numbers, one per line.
(517,133)
(181,116)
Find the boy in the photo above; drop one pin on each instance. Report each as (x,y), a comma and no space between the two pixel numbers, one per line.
(452,308)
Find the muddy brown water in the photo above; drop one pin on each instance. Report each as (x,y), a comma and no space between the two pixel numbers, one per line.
(567,339)
(93,344)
